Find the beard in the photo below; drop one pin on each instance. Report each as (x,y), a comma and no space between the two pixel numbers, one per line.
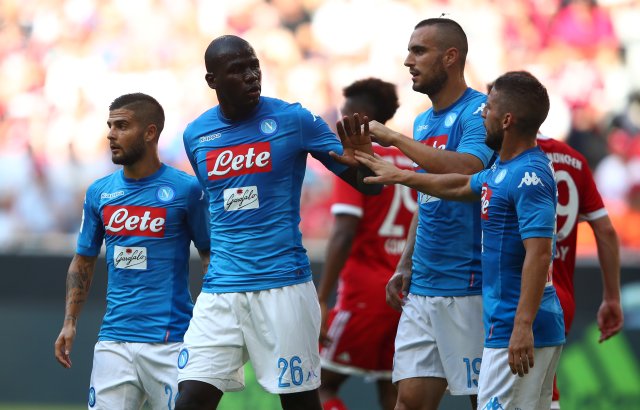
(435,84)
(494,140)
(131,156)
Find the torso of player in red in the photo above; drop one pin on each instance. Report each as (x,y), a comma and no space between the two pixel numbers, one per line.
(379,240)
(578,200)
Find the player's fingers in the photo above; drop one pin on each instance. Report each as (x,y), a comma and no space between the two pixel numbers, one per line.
(348,129)
(356,124)
(365,125)
(524,360)
(374,180)
(341,159)
(512,362)
(341,131)
(530,355)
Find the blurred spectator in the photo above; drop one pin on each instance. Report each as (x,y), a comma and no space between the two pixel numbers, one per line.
(60,59)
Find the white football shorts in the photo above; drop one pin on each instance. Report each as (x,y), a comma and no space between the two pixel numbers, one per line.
(441,337)
(500,387)
(277,329)
(127,374)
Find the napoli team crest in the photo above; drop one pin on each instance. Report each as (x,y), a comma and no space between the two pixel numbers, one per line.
(92,397)
(451,118)
(500,176)
(165,193)
(183,358)
(268,126)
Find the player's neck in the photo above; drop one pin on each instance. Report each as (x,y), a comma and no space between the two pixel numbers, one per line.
(450,93)
(143,168)
(513,145)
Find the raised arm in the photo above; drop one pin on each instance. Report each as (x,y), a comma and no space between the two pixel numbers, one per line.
(432,160)
(610,317)
(454,187)
(79,277)
(534,276)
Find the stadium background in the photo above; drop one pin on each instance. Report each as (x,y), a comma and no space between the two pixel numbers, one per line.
(63,61)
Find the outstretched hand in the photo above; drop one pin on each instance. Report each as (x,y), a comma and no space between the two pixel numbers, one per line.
(386,172)
(354,135)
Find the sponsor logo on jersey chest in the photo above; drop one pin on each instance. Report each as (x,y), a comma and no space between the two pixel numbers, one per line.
(130,257)
(239,160)
(239,199)
(134,221)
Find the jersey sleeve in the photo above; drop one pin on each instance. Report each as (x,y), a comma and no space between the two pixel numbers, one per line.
(198,216)
(190,157)
(534,196)
(477,180)
(474,134)
(591,204)
(319,140)
(346,199)
(91,232)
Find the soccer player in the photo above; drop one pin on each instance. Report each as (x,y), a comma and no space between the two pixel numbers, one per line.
(366,242)
(579,200)
(523,320)
(147,214)
(438,345)
(258,300)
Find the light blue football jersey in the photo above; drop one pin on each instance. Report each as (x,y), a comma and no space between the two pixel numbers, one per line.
(252,171)
(147,226)
(518,199)
(446,256)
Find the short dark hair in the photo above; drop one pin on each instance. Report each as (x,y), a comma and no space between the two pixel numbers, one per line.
(451,35)
(380,95)
(523,95)
(146,108)
(223,45)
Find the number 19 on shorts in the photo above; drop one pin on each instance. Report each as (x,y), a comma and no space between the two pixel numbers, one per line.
(473,370)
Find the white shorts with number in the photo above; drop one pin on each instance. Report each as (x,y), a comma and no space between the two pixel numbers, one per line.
(501,389)
(277,329)
(127,374)
(441,337)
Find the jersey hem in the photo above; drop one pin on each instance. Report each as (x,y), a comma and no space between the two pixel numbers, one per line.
(257,288)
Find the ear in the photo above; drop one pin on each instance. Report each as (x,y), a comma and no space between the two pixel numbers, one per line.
(151,133)
(507,121)
(210,78)
(450,57)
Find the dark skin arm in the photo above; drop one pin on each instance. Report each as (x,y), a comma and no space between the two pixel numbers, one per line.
(338,248)
(205,255)
(355,136)
(398,285)
(79,278)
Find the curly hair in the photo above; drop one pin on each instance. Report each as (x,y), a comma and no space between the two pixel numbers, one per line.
(380,96)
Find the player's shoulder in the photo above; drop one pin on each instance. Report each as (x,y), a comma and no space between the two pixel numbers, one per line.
(180,178)
(472,103)
(201,121)
(551,145)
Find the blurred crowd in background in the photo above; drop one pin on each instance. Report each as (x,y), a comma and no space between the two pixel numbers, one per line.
(63,61)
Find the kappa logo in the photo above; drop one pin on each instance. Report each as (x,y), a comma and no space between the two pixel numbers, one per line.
(493,404)
(479,109)
(530,179)
(210,137)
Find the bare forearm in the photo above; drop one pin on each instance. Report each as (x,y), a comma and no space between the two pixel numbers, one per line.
(338,249)
(438,161)
(534,277)
(447,186)
(608,257)
(79,278)
(205,257)
(405,262)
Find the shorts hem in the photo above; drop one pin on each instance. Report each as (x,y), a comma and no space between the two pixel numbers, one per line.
(222,384)
(396,379)
(355,371)
(299,389)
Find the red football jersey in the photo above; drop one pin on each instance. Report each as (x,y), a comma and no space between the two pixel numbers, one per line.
(379,240)
(578,200)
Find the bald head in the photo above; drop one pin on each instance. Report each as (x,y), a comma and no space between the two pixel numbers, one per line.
(223,46)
